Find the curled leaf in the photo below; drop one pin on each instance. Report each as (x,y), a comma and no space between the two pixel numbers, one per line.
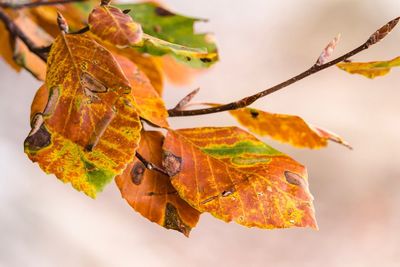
(370,69)
(151,194)
(198,57)
(234,176)
(285,128)
(87,133)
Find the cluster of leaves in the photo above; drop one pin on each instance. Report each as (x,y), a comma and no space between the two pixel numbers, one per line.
(103,76)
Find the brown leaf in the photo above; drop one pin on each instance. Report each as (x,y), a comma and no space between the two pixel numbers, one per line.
(229,173)
(112,25)
(151,194)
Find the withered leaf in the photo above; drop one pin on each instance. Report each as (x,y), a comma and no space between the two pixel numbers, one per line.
(229,173)
(93,132)
(151,193)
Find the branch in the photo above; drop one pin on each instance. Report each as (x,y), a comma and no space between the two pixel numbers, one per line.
(185,101)
(15,31)
(373,39)
(36,4)
(150,166)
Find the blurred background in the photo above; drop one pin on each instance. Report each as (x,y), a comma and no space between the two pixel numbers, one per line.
(46,223)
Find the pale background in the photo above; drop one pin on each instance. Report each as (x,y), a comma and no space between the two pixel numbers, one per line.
(46,223)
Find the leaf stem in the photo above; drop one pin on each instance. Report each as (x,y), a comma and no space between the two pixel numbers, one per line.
(37,4)
(15,31)
(373,39)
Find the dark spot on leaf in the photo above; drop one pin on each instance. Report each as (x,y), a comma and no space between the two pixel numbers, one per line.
(205,60)
(39,139)
(92,84)
(293,178)
(171,163)
(157,28)
(137,173)
(254,113)
(163,12)
(54,94)
(188,58)
(100,128)
(227,193)
(209,199)
(173,221)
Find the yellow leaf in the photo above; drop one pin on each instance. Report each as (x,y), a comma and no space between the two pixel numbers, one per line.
(285,128)
(370,69)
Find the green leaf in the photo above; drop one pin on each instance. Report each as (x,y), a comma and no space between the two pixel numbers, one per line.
(173,28)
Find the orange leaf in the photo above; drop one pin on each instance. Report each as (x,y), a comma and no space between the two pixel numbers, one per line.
(285,128)
(176,72)
(40,38)
(18,54)
(111,25)
(150,106)
(89,129)
(46,17)
(229,173)
(151,194)
(6,48)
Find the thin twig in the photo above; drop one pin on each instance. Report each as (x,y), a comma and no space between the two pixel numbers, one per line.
(36,4)
(15,31)
(149,165)
(374,38)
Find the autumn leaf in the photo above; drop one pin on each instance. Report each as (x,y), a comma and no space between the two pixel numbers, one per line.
(149,104)
(151,194)
(149,65)
(370,69)
(89,129)
(46,16)
(16,53)
(22,55)
(229,173)
(112,25)
(285,128)
(176,72)
(7,48)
